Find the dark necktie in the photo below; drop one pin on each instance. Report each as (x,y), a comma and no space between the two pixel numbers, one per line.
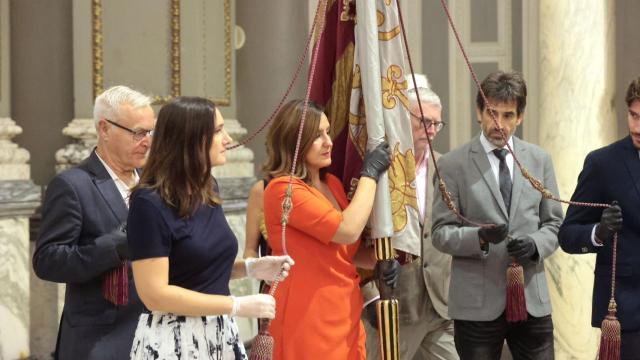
(504,177)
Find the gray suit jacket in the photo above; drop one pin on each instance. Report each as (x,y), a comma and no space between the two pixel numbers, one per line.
(478,279)
(81,211)
(436,265)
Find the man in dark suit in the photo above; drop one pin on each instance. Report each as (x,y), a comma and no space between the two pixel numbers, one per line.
(426,331)
(488,188)
(612,175)
(83,222)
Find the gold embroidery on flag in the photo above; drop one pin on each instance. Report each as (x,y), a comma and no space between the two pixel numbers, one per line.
(382,34)
(358,130)
(402,176)
(393,87)
(358,122)
(338,105)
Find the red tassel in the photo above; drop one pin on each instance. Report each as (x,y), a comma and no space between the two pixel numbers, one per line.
(610,338)
(516,302)
(115,285)
(262,346)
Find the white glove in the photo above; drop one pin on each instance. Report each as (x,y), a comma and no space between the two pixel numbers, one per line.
(254,306)
(268,267)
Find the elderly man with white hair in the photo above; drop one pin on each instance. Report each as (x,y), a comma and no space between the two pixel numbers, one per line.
(83,239)
(426,332)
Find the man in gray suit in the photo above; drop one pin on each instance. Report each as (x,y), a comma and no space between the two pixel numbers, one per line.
(426,332)
(82,236)
(487,188)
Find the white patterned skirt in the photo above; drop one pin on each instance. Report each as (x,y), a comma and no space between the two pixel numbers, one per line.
(164,336)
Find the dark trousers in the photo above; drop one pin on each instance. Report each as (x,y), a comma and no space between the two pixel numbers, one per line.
(630,349)
(483,340)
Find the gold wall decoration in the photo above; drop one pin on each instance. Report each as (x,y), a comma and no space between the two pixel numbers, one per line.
(1,52)
(175,53)
(175,48)
(96,32)
(2,11)
(226,101)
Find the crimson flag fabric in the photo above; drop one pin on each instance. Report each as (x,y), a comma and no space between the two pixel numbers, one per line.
(332,85)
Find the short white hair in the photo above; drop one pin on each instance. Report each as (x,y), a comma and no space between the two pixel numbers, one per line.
(109,103)
(427,95)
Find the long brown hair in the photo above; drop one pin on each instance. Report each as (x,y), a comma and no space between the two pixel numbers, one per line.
(282,137)
(179,167)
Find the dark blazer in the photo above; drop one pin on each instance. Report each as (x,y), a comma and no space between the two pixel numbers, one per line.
(610,173)
(81,213)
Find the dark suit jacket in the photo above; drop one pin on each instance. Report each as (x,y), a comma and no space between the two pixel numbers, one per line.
(81,212)
(610,173)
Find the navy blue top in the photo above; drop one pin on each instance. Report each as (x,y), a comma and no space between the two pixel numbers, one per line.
(201,249)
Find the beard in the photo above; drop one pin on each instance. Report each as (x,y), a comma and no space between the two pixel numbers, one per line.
(495,138)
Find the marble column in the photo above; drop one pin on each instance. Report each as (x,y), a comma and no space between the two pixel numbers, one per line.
(83,139)
(19,197)
(235,179)
(576,116)
(269,57)
(13,159)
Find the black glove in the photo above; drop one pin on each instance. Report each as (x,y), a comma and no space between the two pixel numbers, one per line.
(370,314)
(610,222)
(523,249)
(121,243)
(389,269)
(376,161)
(494,234)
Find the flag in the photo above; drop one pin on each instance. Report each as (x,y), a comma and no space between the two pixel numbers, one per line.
(379,69)
(333,78)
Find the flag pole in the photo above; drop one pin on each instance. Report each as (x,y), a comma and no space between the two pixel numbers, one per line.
(380,220)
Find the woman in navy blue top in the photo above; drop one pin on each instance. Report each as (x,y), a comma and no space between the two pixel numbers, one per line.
(182,248)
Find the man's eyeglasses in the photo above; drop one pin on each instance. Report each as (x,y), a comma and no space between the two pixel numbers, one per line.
(136,134)
(437,125)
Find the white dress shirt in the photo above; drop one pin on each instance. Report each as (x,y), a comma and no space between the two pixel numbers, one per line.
(123,188)
(493,159)
(421,183)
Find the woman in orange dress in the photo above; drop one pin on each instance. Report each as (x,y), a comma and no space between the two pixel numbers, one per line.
(318,306)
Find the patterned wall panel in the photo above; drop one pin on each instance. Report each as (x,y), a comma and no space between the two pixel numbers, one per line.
(168,48)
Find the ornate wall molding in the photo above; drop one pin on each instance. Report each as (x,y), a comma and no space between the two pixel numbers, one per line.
(485,55)
(96,32)
(5,76)
(1,50)
(175,54)
(226,101)
(175,48)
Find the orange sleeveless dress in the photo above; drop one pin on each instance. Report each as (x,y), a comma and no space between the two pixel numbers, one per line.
(318,306)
